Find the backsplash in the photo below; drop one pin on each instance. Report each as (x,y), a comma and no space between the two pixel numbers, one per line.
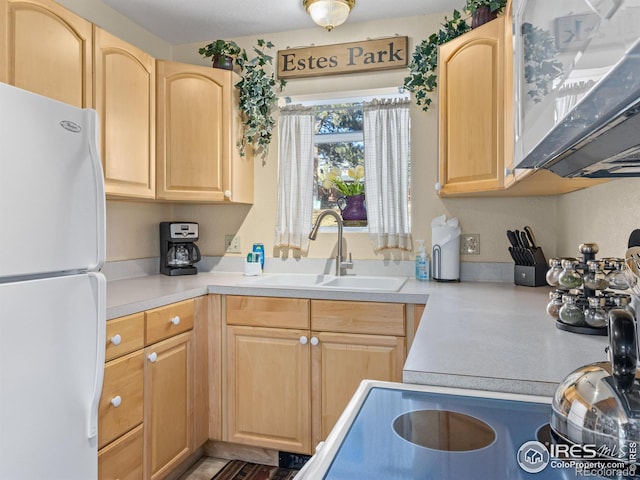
(469,271)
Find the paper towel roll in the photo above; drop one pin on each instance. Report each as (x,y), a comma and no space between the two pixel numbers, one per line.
(445,248)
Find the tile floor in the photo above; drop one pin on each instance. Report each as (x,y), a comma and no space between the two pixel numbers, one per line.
(204,469)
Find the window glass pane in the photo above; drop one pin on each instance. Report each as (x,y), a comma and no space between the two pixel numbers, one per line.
(339,149)
(338,118)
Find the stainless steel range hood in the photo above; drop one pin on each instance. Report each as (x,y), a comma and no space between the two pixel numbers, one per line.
(585,125)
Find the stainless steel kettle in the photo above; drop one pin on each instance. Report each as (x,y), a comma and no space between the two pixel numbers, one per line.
(598,405)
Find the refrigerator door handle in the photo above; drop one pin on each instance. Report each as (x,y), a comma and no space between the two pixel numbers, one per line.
(101,338)
(101,215)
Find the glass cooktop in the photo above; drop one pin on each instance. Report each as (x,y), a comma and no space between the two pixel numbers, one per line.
(406,434)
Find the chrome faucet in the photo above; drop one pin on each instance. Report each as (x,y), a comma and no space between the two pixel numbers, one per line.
(341,266)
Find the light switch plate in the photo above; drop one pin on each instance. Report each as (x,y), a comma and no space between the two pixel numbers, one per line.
(232,244)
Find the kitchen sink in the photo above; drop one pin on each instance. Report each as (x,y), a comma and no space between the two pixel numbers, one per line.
(298,280)
(329,282)
(380,284)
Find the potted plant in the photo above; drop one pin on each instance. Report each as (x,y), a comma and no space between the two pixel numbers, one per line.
(423,80)
(257,89)
(351,204)
(482,11)
(223,53)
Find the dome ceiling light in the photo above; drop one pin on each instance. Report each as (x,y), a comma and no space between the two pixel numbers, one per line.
(329,13)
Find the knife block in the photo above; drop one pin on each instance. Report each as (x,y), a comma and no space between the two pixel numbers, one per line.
(530,275)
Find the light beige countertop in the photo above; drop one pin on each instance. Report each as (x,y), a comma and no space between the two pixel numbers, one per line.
(497,337)
(136,294)
(487,336)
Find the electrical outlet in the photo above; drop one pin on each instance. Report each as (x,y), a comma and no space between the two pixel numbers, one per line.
(470,244)
(232,244)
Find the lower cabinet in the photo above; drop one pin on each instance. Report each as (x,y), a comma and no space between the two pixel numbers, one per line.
(168,405)
(146,425)
(122,459)
(286,387)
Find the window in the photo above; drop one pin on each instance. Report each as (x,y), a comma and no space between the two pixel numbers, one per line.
(355,139)
(339,150)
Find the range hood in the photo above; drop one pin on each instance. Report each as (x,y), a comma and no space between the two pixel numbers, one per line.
(586,124)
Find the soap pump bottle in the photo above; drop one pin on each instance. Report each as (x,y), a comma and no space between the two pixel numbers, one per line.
(422,263)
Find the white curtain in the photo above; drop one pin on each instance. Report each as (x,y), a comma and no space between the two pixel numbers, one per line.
(295,177)
(386,163)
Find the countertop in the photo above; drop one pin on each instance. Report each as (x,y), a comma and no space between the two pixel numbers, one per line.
(142,293)
(495,337)
(486,336)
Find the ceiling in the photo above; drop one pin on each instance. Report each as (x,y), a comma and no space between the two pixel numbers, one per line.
(189,21)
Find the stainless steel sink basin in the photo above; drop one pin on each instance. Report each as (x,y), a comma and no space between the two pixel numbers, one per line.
(329,282)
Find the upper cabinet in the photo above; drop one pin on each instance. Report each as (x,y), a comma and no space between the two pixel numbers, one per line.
(476,138)
(46,50)
(168,131)
(472,111)
(197,133)
(125,98)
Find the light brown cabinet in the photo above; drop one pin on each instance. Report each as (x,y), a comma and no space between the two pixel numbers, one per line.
(120,412)
(472,105)
(286,383)
(197,132)
(168,405)
(369,337)
(148,409)
(476,135)
(125,99)
(168,387)
(47,50)
(178,145)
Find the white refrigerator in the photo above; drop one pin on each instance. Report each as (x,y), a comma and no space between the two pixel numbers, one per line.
(52,294)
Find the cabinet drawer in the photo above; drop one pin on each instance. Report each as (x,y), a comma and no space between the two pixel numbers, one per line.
(123,378)
(167,321)
(358,317)
(122,459)
(124,335)
(267,312)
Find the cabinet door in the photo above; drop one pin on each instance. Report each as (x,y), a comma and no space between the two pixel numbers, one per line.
(193,131)
(340,362)
(168,405)
(46,50)
(471,94)
(122,459)
(268,388)
(125,90)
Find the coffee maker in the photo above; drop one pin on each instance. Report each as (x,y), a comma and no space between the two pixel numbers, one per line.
(178,252)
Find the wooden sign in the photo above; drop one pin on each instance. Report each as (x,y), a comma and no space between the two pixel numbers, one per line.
(365,56)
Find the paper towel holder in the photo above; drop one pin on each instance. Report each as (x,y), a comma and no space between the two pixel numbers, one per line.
(436,261)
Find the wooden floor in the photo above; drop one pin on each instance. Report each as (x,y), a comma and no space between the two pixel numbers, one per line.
(204,469)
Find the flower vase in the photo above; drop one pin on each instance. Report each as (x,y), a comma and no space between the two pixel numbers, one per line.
(353,210)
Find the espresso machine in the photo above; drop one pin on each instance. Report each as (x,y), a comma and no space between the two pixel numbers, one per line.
(178,252)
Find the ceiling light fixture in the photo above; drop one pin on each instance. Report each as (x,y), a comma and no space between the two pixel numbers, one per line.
(329,13)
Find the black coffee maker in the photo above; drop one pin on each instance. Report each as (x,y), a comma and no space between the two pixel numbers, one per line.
(178,252)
